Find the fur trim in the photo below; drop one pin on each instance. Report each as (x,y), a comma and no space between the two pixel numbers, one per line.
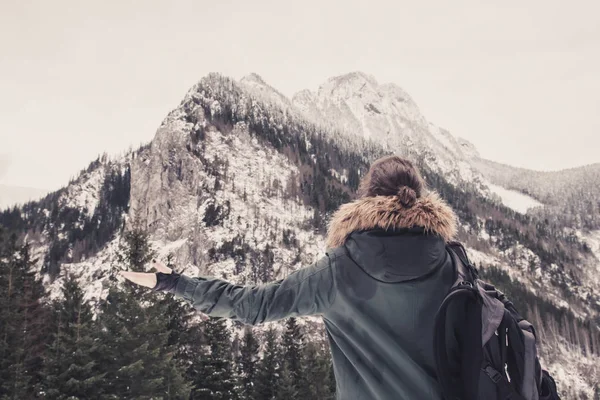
(386,212)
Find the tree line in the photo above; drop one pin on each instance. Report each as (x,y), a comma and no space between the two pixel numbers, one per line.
(140,344)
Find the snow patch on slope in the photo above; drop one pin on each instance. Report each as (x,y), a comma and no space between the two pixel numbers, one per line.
(164,249)
(92,275)
(84,194)
(593,241)
(515,200)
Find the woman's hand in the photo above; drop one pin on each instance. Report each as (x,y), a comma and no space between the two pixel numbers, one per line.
(147,279)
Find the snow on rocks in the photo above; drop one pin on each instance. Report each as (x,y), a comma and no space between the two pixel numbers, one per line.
(591,269)
(244,179)
(84,193)
(92,275)
(360,107)
(572,370)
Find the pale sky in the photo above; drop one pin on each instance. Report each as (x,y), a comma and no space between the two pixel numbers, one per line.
(519,79)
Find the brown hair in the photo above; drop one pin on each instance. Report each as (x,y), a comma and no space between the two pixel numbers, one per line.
(393,176)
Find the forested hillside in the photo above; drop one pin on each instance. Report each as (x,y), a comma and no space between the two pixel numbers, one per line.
(571,195)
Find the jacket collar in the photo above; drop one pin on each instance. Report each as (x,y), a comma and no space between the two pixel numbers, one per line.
(386,212)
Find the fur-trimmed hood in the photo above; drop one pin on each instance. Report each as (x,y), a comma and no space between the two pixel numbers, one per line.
(386,212)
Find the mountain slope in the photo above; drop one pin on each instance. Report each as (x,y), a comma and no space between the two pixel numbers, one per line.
(571,194)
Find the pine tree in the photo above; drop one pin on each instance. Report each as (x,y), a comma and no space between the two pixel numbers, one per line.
(292,349)
(285,385)
(267,377)
(23,320)
(70,369)
(136,251)
(134,349)
(235,367)
(247,362)
(213,378)
(184,335)
(8,301)
(317,367)
(134,352)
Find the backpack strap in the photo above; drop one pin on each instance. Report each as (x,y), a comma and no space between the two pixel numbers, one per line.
(457,250)
(470,361)
(548,389)
(504,389)
(530,382)
(464,296)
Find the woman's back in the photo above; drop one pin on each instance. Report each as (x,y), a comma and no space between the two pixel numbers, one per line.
(389,284)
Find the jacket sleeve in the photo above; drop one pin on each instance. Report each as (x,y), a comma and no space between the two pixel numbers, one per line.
(307,291)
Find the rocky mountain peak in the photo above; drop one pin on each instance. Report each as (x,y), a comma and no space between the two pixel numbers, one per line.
(253,78)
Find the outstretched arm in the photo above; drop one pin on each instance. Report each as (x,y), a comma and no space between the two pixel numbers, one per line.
(307,291)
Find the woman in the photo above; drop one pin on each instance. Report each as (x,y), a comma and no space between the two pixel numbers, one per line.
(378,288)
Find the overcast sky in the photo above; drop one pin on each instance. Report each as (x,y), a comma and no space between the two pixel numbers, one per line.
(518,79)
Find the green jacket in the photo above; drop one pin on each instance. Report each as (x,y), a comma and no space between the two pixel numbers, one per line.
(377,289)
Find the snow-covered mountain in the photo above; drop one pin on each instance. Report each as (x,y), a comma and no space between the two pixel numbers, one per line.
(239,181)
(384,113)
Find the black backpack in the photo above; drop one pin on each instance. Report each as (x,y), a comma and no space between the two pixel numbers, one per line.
(493,353)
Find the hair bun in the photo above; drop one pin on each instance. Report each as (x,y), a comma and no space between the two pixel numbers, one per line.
(407,196)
